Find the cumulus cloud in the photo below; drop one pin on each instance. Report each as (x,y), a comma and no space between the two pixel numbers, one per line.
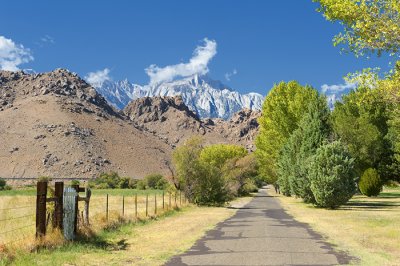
(97,78)
(230,74)
(198,64)
(338,88)
(12,55)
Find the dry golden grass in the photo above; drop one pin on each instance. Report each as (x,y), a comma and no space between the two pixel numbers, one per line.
(17,219)
(17,214)
(368,228)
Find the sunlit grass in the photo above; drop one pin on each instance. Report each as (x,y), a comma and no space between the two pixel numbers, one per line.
(146,242)
(368,228)
(18,209)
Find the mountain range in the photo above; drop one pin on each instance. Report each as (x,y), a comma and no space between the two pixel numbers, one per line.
(206,97)
(56,124)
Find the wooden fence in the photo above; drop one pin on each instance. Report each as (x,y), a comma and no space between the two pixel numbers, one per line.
(52,210)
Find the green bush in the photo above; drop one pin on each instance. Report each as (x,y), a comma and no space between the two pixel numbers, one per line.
(153,181)
(44,179)
(332,175)
(3,184)
(370,183)
(74,182)
(112,180)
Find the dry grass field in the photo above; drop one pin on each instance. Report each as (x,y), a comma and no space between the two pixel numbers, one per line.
(17,210)
(367,228)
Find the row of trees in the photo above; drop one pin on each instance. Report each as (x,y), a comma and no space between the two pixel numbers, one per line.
(212,175)
(312,152)
(319,155)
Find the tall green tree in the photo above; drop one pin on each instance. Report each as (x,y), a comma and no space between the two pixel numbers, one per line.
(282,111)
(332,176)
(295,160)
(361,121)
(187,166)
(369,25)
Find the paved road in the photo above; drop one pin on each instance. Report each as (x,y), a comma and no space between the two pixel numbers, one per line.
(261,233)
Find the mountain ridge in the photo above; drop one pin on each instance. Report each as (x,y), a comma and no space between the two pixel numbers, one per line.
(206,97)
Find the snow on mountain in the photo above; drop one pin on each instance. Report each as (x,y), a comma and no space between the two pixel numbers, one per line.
(204,96)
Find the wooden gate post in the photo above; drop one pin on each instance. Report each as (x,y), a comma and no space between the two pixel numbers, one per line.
(123,205)
(76,187)
(107,207)
(147,204)
(41,194)
(58,205)
(88,194)
(135,206)
(155,203)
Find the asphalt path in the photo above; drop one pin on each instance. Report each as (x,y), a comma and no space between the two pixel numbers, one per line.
(261,233)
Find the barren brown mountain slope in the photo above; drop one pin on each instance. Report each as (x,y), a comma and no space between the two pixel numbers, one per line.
(172,120)
(55,124)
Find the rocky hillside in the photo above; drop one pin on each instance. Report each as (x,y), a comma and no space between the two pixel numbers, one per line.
(56,124)
(174,122)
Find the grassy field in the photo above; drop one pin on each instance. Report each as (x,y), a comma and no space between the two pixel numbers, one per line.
(151,242)
(17,209)
(368,228)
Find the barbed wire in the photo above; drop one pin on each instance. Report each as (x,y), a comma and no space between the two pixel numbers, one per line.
(15,229)
(15,218)
(15,208)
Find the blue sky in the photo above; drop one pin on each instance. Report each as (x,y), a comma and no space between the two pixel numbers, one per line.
(263,42)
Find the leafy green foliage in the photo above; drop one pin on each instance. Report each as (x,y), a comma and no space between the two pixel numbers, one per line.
(361,121)
(369,25)
(282,111)
(370,183)
(240,173)
(74,182)
(295,158)
(332,176)
(214,174)
(153,181)
(3,185)
(44,179)
(111,180)
(216,155)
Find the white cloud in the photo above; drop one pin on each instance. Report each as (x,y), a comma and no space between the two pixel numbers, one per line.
(47,39)
(337,88)
(12,55)
(196,65)
(335,92)
(97,78)
(230,74)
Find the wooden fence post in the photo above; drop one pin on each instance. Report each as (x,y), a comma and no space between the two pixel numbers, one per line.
(147,204)
(135,206)
(169,205)
(41,194)
(76,187)
(123,205)
(163,200)
(107,208)
(88,194)
(180,198)
(58,205)
(155,204)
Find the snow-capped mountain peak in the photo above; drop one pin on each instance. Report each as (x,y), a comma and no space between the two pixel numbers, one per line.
(203,95)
